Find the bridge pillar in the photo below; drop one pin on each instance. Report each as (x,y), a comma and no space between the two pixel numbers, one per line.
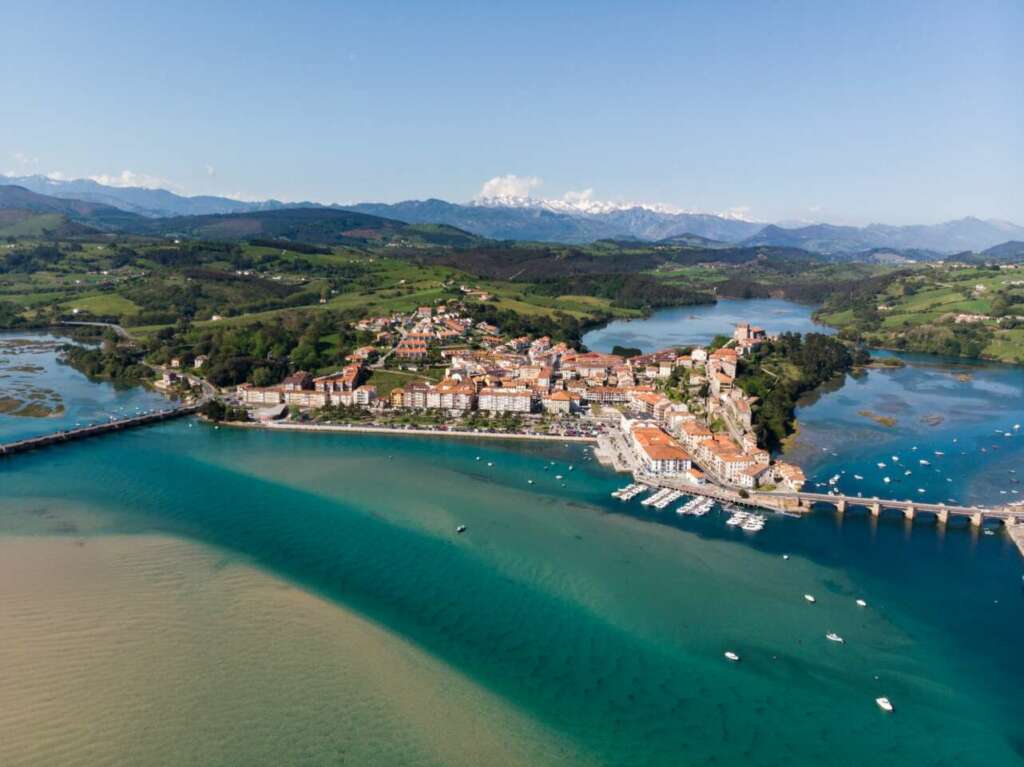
(875,509)
(977,519)
(943,516)
(841,506)
(908,512)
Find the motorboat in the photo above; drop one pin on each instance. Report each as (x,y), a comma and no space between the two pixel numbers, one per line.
(834,637)
(460,529)
(730,655)
(785,556)
(810,598)
(861,603)
(885,704)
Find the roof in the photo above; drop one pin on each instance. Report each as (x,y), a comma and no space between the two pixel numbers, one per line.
(658,445)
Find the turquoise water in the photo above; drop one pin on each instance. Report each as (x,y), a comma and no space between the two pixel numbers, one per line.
(606,621)
(602,620)
(25,366)
(699,324)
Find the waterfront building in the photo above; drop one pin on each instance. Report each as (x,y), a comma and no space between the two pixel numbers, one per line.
(505,400)
(657,452)
(306,398)
(559,402)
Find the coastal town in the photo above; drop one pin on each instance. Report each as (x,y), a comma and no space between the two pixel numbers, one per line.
(675,413)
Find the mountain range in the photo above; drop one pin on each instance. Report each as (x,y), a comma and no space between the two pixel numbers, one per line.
(547,220)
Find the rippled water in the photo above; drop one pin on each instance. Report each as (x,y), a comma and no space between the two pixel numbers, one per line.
(564,627)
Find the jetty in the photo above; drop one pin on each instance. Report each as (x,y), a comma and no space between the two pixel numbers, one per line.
(94,430)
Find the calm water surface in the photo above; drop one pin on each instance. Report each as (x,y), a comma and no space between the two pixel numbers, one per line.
(699,324)
(603,622)
(28,364)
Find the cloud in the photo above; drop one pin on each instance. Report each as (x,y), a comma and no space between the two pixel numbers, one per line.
(131,178)
(211,171)
(24,160)
(581,196)
(509,185)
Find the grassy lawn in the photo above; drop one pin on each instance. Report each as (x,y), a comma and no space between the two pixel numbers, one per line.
(386,380)
(1008,345)
(103,304)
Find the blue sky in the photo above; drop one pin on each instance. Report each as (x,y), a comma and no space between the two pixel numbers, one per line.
(846,112)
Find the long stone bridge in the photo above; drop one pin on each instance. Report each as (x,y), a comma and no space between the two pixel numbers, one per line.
(95,430)
(802,502)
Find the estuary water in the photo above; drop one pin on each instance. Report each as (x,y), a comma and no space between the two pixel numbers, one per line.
(30,372)
(689,325)
(185,594)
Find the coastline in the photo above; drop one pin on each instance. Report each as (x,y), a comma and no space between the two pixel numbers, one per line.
(403,432)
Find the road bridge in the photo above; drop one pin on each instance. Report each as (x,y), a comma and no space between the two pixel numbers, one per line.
(800,502)
(94,430)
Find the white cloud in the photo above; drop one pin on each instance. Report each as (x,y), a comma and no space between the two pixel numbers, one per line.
(580,197)
(211,171)
(56,175)
(509,185)
(24,160)
(131,178)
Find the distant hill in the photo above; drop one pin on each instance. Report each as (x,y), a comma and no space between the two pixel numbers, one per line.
(539,223)
(23,223)
(1006,251)
(694,241)
(324,226)
(152,203)
(93,215)
(965,234)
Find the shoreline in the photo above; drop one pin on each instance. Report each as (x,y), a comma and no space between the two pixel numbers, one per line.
(340,428)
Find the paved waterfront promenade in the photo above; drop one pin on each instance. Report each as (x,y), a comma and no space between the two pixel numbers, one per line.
(316,427)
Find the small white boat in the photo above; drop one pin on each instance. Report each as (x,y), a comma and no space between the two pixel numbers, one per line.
(881,465)
(886,480)
(557,476)
(489,463)
(857,476)
(895,457)
(923,462)
(730,655)
(785,556)
(861,603)
(460,529)
(885,704)
(834,637)
(529,481)
(810,598)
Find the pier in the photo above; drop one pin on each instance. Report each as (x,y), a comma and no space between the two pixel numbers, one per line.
(95,430)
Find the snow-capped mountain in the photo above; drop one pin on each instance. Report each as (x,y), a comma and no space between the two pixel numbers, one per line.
(575,218)
(572,204)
